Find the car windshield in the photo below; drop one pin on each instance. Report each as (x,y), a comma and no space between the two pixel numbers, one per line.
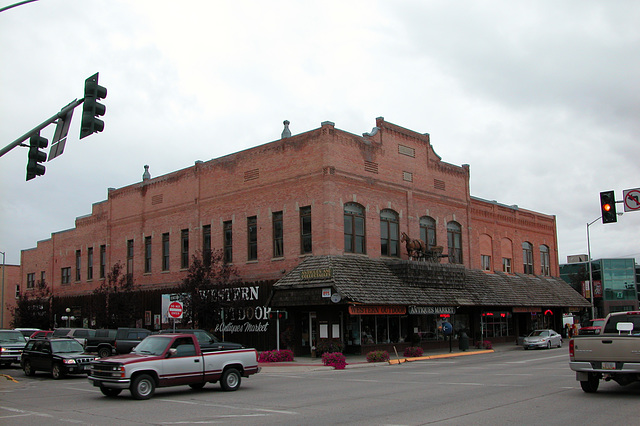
(539,333)
(597,323)
(152,345)
(66,346)
(11,337)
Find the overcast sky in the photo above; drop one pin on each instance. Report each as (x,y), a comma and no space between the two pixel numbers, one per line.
(541,98)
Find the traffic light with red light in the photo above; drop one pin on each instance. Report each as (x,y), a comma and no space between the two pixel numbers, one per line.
(280,315)
(34,168)
(92,109)
(608,207)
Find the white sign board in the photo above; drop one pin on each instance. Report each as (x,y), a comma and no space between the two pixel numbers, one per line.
(631,199)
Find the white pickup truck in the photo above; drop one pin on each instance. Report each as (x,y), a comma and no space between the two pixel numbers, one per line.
(613,354)
(171,360)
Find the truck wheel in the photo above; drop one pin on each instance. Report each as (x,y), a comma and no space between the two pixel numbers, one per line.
(591,384)
(56,371)
(196,386)
(230,380)
(109,391)
(28,370)
(104,352)
(143,387)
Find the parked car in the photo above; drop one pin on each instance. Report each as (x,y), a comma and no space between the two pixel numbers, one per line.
(41,334)
(593,326)
(27,332)
(107,341)
(11,344)
(80,334)
(59,356)
(542,339)
(205,339)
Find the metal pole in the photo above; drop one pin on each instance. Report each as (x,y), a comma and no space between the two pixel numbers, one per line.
(593,315)
(2,304)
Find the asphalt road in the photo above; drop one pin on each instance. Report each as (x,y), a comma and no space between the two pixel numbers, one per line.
(501,388)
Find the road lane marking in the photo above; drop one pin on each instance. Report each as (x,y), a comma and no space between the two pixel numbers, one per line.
(232,407)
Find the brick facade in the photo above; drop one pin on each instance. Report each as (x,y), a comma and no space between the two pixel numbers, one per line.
(389,168)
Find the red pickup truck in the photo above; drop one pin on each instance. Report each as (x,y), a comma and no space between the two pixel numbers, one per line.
(171,360)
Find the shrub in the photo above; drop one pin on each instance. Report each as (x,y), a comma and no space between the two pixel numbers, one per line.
(486,344)
(413,352)
(282,355)
(334,359)
(378,356)
(328,346)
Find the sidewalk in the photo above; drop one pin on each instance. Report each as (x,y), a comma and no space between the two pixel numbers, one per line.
(306,363)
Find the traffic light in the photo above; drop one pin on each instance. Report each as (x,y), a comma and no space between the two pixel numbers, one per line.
(34,168)
(608,207)
(91,108)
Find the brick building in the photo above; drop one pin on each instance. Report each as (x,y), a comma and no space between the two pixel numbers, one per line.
(322,194)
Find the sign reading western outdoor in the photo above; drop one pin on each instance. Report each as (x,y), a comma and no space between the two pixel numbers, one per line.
(377,310)
(244,311)
(431,310)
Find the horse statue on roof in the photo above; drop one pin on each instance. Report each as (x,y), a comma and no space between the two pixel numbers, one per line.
(416,248)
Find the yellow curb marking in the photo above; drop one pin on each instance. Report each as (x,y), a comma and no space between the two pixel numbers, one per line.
(449,355)
(9,378)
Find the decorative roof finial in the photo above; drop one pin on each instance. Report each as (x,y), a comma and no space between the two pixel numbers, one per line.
(146,175)
(286,133)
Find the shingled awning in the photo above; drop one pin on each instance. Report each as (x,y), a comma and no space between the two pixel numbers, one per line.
(361,280)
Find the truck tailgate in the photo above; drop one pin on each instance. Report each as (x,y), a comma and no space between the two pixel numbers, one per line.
(607,348)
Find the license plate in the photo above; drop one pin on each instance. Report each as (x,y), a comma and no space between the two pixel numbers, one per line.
(608,365)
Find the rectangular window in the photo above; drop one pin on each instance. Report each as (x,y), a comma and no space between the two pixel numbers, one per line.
(206,244)
(103,260)
(228,241)
(65,274)
(147,255)
(486,262)
(184,249)
(90,263)
(278,248)
(43,277)
(305,230)
(544,262)
(506,265)
(129,256)
(252,238)
(31,280)
(165,251)
(78,263)
(17,291)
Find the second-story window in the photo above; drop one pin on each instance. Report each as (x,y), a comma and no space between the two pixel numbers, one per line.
(129,256)
(31,280)
(78,264)
(103,260)
(305,230)
(454,240)
(184,249)
(65,275)
(165,251)
(90,263)
(428,231)
(527,257)
(278,247)
(354,228)
(227,242)
(147,255)
(252,238)
(206,244)
(544,260)
(389,234)
(486,262)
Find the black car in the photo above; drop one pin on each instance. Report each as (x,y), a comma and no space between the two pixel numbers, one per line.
(59,356)
(206,340)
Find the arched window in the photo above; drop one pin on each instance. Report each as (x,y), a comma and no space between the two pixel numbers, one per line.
(527,257)
(544,260)
(354,228)
(389,238)
(454,242)
(428,231)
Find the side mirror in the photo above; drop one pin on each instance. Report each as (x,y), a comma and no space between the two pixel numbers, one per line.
(172,352)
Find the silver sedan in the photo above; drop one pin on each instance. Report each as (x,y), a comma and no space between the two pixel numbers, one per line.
(542,339)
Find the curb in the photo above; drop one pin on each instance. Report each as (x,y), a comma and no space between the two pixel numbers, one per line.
(449,355)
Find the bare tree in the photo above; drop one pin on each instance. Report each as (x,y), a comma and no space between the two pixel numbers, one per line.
(33,308)
(115,301)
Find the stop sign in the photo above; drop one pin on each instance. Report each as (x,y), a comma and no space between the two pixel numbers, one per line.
(175,310)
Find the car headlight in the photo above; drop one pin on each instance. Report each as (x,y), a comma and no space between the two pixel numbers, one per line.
(69,361)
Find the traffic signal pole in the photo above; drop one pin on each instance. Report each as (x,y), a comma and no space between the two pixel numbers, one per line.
(61,115)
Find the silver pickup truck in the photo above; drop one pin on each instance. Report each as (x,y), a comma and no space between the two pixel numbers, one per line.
(614,354)
(171,360)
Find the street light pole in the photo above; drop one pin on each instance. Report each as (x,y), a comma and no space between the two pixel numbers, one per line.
(590,270)
(2,303)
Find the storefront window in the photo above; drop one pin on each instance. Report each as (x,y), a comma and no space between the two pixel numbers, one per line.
(496,324)
(378,329)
